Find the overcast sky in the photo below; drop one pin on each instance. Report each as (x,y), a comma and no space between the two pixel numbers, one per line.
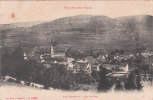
(25,11)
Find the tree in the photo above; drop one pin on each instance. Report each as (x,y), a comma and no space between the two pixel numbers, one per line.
(131,81)
(95,75)
(17,62)
(6,59)
(33,71)
(12,62)
(57,77)
(18,54)
(74,53)
(104,84)
(118,85)
(82,78)
(138,82)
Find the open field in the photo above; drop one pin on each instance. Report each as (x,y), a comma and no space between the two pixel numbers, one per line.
(15,91)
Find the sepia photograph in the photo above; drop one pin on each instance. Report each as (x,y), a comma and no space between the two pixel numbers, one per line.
(76,50)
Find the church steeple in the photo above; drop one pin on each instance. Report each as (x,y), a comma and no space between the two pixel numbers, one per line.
(51,51)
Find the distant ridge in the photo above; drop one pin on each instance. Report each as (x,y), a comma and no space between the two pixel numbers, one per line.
(20,24)
(86,32)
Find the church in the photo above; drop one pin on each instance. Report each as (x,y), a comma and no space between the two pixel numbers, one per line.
(55,55)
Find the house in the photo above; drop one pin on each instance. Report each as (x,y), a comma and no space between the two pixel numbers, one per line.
(96,67)
(102,58)
(109,66)
(70,63)
(126,68)
(121,74)
(84,65)
(146,54)
(88,69)
(47,65)
(25,56)
(82,61)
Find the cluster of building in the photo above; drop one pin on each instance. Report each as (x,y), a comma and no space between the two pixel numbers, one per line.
(117,65)
(87,64)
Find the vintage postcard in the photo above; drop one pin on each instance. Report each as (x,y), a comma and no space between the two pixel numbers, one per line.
(76,50)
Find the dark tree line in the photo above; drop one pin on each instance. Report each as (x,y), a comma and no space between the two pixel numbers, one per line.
(32,71)
(57,76)
(133,82)
(13,64)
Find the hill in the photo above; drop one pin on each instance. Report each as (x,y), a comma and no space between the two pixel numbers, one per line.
(86,32)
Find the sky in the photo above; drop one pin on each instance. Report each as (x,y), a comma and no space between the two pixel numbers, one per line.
(26,11)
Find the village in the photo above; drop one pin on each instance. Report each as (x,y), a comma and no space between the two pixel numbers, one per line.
(116,68)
